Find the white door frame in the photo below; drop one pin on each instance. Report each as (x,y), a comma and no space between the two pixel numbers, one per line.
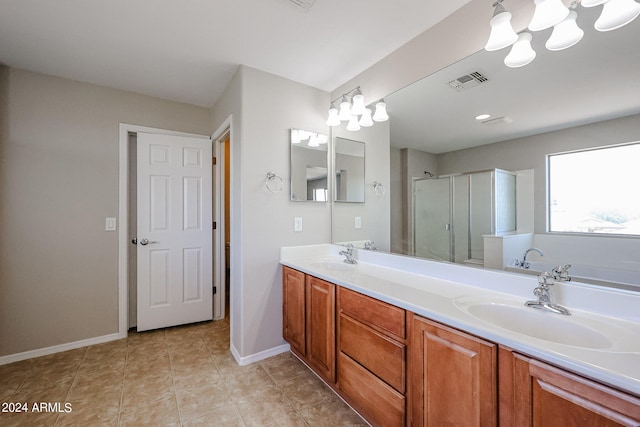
(218,213)
(123,217)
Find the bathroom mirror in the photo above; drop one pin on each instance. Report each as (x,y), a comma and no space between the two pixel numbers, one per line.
(563,101)
(309,170)
(349,170)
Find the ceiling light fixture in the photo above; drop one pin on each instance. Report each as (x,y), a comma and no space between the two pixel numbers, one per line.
(502,33)
(482,116)
(355,112)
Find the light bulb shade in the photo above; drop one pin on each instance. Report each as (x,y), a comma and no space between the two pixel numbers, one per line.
(345,110)
(521,53)
(295,136)
(313,141)
(365,120)
(592,3)
(547,14)
(565,34)
(616,14)
(357,106)
(333,119)
(502,33)
(353,124)
(380,114)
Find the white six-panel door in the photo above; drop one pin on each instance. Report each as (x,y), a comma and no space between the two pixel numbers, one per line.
(174,230)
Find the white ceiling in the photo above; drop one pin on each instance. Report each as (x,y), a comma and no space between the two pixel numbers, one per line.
(188,50)
(595,80)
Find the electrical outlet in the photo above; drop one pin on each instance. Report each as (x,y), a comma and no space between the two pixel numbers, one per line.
(358,223)
(297,224)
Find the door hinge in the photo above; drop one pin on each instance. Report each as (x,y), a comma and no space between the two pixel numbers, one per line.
(214,161)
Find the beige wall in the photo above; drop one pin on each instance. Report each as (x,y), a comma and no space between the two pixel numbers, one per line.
(59,174)
(265,107)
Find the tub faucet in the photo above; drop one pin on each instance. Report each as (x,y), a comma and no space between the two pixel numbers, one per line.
(524,263)
(348,253)
(546,300)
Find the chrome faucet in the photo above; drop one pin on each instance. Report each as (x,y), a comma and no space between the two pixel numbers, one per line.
(561,273)
(546,299)
(368,245)
(348,253)
(524,263)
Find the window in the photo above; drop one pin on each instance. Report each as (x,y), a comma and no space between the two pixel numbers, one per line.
(595,191)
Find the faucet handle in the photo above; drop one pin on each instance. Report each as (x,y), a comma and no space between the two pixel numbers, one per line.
(544,277)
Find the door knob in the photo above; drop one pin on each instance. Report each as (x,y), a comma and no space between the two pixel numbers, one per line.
(145,242)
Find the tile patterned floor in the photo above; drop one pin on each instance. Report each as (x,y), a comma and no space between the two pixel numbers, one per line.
(182,376)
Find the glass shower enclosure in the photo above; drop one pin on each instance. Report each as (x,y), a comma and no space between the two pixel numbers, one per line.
(452,214)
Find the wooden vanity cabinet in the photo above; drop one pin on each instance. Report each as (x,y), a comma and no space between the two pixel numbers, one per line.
(293,310)
(453,377)
(321,327)
(308,320)
(533,393)
(372,357)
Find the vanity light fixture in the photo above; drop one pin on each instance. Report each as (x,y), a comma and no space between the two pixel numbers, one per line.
(365,120)
(521,52)
(381,112)
(547,14)
(616,14)
(565,34)
(333,119)
(345,109)
(314,139)
(355,112)
(502,33)
(553,13)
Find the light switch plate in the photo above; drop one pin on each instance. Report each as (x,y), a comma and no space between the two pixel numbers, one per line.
(297,224)
(110,224)
(358,223)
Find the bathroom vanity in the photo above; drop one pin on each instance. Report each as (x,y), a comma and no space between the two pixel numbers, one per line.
(412,342)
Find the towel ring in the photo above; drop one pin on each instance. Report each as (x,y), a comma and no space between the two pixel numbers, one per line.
(274,183)
(378,189)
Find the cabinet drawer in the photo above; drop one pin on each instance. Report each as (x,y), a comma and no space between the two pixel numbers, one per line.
(380,315)
(378,353)
(380,404)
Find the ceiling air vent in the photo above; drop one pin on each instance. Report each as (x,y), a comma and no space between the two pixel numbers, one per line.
(468,81)
(305,5)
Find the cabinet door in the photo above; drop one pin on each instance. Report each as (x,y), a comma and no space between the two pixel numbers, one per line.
(536,394)
(321,327)
(452,377)
(293,311)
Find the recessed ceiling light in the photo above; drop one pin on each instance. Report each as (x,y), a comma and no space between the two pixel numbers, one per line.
(483,116)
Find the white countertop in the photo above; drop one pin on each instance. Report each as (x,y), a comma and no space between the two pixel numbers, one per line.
(439,291)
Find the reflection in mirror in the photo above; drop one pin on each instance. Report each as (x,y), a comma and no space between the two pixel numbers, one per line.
(349,170)
(309,159)
(561,102)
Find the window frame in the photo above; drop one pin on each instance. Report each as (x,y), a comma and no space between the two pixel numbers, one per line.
(548,193)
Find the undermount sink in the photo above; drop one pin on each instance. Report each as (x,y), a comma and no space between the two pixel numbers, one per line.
(335,265)
(513,316)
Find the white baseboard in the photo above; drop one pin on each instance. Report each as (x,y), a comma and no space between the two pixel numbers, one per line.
(57,348)
(256,357)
